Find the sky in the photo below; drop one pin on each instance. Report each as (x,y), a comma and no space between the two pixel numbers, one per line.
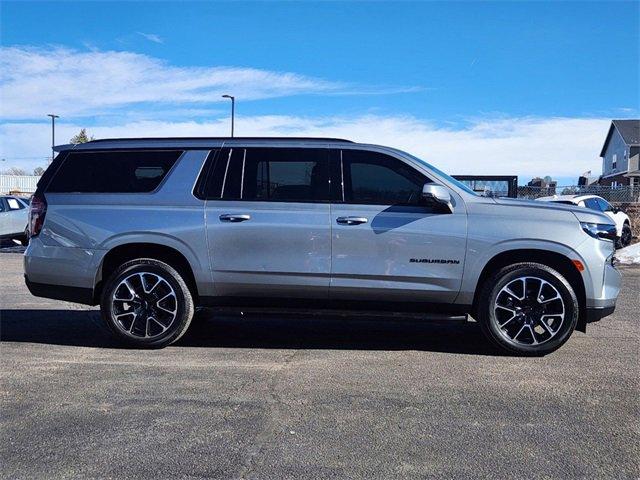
(505,88)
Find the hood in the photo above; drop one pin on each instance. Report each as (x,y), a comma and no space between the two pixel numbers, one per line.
(581,213)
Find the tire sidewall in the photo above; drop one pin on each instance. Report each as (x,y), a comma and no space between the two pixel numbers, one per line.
(504,277)
(183,299)
(625,239)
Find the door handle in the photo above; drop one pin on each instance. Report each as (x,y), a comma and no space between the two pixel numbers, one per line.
(351,220)
(233,217)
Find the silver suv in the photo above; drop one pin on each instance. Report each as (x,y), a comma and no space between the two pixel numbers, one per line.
(153,228)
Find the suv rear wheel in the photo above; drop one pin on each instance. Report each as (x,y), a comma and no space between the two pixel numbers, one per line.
(146,303)
(528,308)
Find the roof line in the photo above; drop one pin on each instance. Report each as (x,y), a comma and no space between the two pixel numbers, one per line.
(226,139)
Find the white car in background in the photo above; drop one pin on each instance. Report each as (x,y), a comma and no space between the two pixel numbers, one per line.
(594,202)
(13,218)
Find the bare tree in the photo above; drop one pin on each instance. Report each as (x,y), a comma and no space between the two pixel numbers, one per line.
(14,171)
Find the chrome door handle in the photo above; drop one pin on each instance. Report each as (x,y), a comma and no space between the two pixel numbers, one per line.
(351,220)
(233,217)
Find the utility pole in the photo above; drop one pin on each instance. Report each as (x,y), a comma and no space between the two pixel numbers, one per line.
(53,133)
(233,110)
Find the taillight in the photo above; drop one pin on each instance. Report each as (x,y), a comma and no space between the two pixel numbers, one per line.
(37,211)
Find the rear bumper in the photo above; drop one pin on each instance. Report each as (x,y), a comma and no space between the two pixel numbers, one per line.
(61,292)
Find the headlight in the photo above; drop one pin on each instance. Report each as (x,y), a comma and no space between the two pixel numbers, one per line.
(601,231)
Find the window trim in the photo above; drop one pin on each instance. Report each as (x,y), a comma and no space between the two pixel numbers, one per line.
(108,150)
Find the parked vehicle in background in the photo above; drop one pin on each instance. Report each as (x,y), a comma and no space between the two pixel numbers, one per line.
(152,228)
(13,218)
(594,202)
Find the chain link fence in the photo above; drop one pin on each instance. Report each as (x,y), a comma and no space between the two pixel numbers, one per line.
(619,194)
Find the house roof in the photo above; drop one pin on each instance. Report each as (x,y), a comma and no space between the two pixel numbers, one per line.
(629,130)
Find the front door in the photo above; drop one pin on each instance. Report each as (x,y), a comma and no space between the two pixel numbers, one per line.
(388,244)
(268,232)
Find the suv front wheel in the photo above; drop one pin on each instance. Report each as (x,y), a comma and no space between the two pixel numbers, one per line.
(528,308)
(146,303)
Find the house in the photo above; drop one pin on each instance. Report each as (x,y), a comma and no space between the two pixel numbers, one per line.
(620,154)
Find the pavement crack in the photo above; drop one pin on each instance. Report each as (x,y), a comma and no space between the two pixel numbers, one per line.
(278,413)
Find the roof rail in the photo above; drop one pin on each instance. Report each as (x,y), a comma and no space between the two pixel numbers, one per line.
(306,139)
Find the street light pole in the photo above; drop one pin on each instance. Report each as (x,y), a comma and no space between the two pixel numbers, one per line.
(53,132)
(233,110)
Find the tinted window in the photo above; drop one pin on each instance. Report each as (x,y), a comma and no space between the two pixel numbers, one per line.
(592,203)
(113,172)
(604,205)
(2,207)
(209,184)
(375,178)
(278,174)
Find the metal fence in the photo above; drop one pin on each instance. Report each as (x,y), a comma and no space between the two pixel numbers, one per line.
(619,194)
(18,183)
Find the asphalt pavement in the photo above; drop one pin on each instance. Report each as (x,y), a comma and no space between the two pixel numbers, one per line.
(276,397)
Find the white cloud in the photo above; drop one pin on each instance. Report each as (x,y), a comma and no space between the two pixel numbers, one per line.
(36,81)
(152,37)
(504,146)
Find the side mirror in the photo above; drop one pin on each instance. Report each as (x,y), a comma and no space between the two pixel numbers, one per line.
(615,210)
(438,194)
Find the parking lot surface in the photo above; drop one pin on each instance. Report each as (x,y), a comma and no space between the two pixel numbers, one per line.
(265,396)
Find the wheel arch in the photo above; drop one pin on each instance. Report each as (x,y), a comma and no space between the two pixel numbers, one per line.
(555,260)
(125,252)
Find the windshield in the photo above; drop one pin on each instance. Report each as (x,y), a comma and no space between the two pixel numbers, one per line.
(449,178)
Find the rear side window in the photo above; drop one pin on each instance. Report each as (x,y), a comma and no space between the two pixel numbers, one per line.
(134,171)
(271,174)
(14,204)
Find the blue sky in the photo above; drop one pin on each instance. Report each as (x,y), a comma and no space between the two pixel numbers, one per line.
(466,79)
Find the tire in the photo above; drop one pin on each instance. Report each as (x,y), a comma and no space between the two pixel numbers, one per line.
(25,237)
(147,288)
(519,309)
(625,238)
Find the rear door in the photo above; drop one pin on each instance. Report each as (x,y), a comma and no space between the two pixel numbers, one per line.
(268,224)
(387,243)
(17,215)
(5,228)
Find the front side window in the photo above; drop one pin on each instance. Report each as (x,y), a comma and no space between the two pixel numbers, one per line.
(134,171)
(378,179)
(604,205)
(277,175)
(592,203)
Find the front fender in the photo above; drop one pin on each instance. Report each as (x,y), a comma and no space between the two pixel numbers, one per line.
(477,259)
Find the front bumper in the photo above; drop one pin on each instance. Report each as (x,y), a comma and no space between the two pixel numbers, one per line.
(597,314)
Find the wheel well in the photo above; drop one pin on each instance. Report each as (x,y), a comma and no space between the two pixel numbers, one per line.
(557,261)
(130,251)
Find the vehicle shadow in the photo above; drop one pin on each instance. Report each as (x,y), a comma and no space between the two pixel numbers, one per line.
(84,328)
